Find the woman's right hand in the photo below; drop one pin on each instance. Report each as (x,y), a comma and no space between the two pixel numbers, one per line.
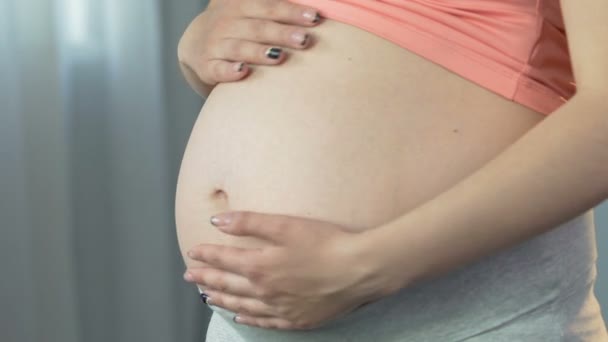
(220,42)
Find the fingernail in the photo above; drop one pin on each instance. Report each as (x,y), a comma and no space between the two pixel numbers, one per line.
(221,219)
(238,67)
(273,53)
(300,38)
(317,18)
(205,299)
(188,276)
(312,15)
(236,319)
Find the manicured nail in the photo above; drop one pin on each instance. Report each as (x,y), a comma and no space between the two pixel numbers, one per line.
(238,67)
(300,38)
(214,220)
(205,299)
(273,53)
(312,15)
(317,18)
(221,219)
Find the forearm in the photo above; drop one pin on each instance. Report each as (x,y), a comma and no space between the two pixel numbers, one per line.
(553,173)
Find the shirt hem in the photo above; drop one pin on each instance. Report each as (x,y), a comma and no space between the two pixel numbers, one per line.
(511,84)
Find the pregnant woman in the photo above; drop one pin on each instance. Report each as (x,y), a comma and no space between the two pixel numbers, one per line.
(414,170)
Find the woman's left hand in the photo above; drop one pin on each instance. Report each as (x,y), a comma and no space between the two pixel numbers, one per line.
(310,271)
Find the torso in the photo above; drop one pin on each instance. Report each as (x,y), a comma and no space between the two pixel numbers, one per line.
(355,130)
(358,131)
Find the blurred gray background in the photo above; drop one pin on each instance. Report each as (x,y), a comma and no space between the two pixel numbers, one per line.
(94,118)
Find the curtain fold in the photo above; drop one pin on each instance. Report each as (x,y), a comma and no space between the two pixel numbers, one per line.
(94,120)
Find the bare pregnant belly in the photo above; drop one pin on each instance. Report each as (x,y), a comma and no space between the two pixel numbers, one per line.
(356,131)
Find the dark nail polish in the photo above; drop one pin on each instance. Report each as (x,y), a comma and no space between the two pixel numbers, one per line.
(305,40)
(204,298)
(317,18)
(240,67)
(273,53)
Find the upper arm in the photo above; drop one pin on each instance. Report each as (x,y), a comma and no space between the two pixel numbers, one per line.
(587,29)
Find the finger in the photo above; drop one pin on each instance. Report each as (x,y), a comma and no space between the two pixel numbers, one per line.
(281,11)
(219,280)
(220,70)
(240,305)
(231,259)
(269,227)
(269,32)
(268,322)
(248,52)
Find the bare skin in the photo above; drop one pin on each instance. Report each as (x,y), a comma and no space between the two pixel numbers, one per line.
(337,135)
(296,151)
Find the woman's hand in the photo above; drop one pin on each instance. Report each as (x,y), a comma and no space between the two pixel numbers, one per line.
(230,33)
(309,273)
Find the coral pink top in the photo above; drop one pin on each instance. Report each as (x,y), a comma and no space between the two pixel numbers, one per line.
(515,48)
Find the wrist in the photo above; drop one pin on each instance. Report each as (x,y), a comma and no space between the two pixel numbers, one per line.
(382,271)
